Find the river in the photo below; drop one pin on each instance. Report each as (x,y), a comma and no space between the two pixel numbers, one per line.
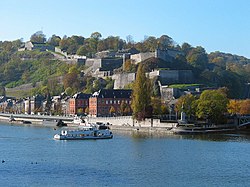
(30,157)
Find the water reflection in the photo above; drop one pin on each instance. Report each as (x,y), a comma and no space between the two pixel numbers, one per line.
(236,137)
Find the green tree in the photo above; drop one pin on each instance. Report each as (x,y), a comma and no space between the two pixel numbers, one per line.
(198,58)
(2,90)
(156,104)
(123,108)
(212,105)
(165,42)
(48,103)
(83,50)
(71,80)
(54,40)
(141,95)
(96,35)
(69,91)
(109,83)
(38,37)
(187,104)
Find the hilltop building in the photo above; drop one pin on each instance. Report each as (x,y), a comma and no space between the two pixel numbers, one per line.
(173,76)
(31,46)
(167,55)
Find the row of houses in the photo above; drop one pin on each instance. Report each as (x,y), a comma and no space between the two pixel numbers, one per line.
(104,102)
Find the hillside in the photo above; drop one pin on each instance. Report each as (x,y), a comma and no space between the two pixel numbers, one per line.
(30,67)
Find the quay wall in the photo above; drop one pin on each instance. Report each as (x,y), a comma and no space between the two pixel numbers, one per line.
(128,121)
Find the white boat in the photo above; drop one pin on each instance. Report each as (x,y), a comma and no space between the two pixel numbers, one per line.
(78,120)
(85,133)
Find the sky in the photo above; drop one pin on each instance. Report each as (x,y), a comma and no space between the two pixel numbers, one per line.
(216,25)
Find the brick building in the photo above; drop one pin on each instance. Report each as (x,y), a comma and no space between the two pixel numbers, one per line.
(78,103)
(102,101)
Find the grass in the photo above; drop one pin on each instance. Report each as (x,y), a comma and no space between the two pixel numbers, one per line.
(18,93)
(183,86)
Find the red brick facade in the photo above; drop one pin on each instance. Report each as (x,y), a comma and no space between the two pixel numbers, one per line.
(101,102)
(78,104)
(102,106)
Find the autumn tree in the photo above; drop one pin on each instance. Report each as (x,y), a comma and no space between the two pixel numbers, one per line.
(129,66)
(112,110)
(141,95)
(233,106)
(245,107)
(86,110)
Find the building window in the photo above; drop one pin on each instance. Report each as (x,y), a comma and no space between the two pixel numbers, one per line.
(110,101)
(114,101)
(118,101)
(107,102)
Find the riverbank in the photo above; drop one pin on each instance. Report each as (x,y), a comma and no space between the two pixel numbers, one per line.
(122,123)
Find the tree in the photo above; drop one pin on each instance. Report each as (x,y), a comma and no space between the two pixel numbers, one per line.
(129,66)
(245,107)
(151,44)
(123,108)
(96,35)
(54,40)
(197,57)
(212,105)
(187,104)
(109,83)
(165,42)
(233,106)
(2,90)
(186,48)
(86,110)
(96,85)
(130,41)
(48,103)
(71,80)
(82,51)
(112,110)
(141,95)
(69,91)
(156,105)
(38,37)
(127,110)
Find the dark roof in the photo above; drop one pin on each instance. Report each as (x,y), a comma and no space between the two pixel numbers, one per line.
(105,93)
(81,95)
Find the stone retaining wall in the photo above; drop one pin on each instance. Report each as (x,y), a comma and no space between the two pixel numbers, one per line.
(130,122)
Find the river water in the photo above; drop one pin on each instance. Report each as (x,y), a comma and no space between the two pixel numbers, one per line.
(30,157)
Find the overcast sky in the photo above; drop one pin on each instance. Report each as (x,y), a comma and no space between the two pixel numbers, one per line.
(217,25)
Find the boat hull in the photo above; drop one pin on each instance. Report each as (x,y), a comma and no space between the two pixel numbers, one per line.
(194,130)
(81,138)
(87,133)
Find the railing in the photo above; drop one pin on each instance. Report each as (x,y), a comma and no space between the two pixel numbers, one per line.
(243,121)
